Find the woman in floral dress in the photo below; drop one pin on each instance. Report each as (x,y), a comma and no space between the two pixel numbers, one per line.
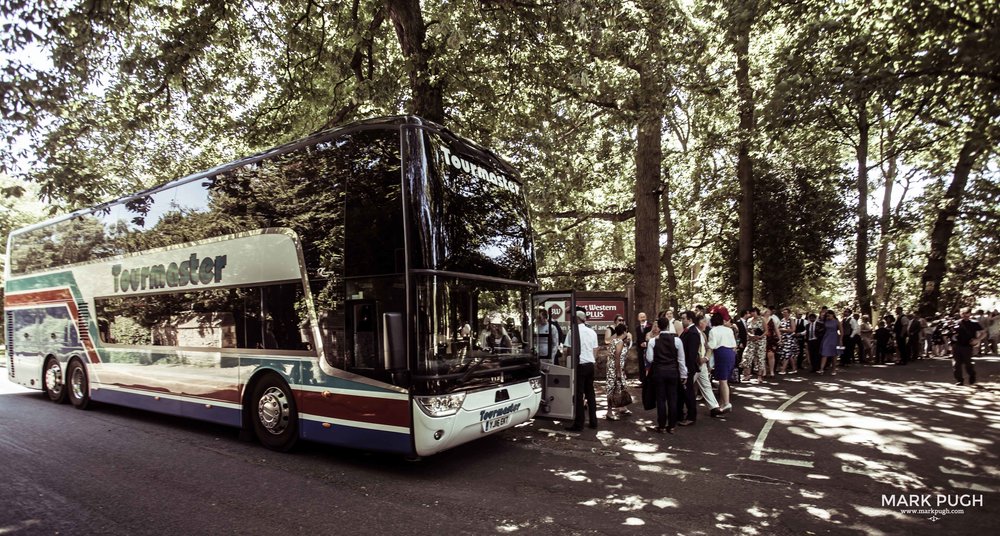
(618,396)
(789,344)
(753,355)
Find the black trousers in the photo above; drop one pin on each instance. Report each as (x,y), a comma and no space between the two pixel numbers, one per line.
(962,356)
(881,352)
(585,389)
(814,357)
(666,384)
(641,355)
(686,394)
(848,355)
(903,349)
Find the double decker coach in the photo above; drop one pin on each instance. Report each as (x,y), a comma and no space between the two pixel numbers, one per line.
(367,287)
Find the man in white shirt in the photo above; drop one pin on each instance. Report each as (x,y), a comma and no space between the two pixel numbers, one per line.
(665,354)
(584,372)
(852,336)
(546,339)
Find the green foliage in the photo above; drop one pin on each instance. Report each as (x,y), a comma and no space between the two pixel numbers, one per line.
(99,99)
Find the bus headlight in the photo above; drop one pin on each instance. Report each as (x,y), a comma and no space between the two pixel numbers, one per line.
(441,405)
(536,384)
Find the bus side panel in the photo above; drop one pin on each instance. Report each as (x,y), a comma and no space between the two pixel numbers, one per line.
(356,416)
(37,327)
(203,410)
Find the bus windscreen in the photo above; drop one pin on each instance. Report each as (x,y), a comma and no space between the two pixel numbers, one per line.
(477,212)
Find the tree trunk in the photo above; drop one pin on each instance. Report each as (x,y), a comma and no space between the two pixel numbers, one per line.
(861,261)
(883,250)
(668,250)
(649,155)
(944,224)
(427,95)
(744,169)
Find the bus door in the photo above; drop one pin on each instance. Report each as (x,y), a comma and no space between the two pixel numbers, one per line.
(556,360)
(363,335)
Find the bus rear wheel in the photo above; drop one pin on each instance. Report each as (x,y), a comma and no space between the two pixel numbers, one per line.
(275,419)
(79,384)
(52,381)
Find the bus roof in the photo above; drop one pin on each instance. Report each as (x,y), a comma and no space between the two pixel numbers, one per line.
(316,137)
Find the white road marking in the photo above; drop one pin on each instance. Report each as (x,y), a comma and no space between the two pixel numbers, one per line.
(806,453)
(758,446)
(797,463)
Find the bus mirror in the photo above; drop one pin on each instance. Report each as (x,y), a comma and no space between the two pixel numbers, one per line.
(394,341)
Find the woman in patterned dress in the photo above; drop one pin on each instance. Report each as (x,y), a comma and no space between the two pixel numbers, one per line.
(789,344)
(753,355)
(617,351)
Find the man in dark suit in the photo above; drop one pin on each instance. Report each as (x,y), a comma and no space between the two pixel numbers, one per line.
(642,328)
(800,337)
(901,329)
(691,341)
(741,340)
(813,337)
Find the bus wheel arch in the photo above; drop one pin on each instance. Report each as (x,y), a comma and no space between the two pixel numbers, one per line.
(270,411)
(78,383)
(53,380)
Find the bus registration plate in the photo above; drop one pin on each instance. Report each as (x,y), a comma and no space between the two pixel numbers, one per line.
(493,424)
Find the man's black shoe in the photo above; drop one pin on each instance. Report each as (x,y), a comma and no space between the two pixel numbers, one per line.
(574,428)
(593,425)
(716,412)
(959,383)
(657,429)
(671,430)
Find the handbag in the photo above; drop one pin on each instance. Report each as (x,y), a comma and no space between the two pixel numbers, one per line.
(620,399)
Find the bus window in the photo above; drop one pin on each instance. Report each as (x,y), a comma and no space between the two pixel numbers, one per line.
(244,317)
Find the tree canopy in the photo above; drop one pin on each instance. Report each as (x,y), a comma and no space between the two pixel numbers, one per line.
(759,151)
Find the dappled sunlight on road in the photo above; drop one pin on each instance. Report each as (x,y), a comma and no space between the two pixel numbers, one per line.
(508,527)
(893,419)
(837,445)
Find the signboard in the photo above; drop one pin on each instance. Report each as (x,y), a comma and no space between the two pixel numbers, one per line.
(602,311)
(558,310)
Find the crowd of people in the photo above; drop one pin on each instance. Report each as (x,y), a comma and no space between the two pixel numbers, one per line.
(680,356)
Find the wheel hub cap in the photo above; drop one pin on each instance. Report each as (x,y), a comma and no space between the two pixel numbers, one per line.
(53,379)
(272,410)
(76,383)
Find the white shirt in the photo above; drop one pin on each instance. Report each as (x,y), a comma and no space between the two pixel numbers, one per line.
(545,340)
(855,328)
(721,336)
(680,354)
(588,343)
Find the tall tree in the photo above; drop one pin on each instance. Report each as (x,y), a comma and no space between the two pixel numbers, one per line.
(427,93)
(976,144)
(743,16)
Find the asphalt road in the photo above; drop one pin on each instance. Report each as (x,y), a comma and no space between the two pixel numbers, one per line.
(825,465)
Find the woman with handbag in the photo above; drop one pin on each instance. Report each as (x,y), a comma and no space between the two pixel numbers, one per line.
(753,356)
(618,395)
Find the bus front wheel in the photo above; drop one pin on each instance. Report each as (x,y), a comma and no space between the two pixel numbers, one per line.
(275,420)
(79,384)
(52,381)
